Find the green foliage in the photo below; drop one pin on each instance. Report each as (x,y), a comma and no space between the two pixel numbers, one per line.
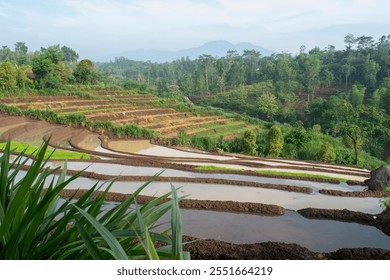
(327,153)
(203,142)
(248,143)
(386,202)
(36,224)
(357,95)
(275,141)
(8,76)
(317,128)
(85,72)
(181,139)
(134,131)
(298,137)
(268,105)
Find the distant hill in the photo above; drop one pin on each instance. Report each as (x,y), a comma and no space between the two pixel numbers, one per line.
(215,48)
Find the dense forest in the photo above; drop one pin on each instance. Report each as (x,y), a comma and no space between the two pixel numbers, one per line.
(337,101)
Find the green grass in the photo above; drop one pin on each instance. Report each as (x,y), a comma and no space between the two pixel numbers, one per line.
(293,174)
(216,168)
(32,150)
(270,172)
(228,128)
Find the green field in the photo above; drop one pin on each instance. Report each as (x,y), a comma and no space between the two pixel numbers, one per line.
(19,147)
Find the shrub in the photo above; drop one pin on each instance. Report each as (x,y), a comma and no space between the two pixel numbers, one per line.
(248,143)
(36,224)
(275,141)
(327,153)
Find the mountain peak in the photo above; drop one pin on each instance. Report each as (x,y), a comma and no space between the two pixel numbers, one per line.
(216,48)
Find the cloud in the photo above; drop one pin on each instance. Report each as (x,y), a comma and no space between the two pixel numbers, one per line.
(174,24)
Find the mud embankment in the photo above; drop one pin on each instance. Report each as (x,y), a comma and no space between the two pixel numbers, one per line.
(380,221)
(365,193)
(210,249)
(226,206)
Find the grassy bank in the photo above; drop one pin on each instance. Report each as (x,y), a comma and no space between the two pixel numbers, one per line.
(270,172)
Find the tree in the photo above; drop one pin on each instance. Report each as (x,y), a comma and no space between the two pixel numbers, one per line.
(327,153)
(268,105)
(8,74)
(298,137)
(63,71)
(357,95)
(42,66)
(85,72)
(69,54)
(53,53)
(310,66)
(275,141)
(248,143)
(206,61)
(347,69)
(354,134)
(21,53)
(22,79)
(350,41)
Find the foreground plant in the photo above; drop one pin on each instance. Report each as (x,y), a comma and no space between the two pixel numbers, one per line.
(386,202)
(35,223)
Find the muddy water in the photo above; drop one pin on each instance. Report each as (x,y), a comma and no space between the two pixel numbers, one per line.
(90,142)
(316,235)
(288,200)
(126,170)
(144,147)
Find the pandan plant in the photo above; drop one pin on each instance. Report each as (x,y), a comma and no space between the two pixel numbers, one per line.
(36,223)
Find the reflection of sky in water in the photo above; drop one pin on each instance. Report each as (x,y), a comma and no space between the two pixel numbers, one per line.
(317,235)
(145,148)
(288,200)
(125,170)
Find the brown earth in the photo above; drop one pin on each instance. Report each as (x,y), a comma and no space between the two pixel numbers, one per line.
(210,249)
(380,221)
(226,206)
(366,193)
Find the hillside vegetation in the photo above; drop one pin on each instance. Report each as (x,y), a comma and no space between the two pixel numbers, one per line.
(329,105)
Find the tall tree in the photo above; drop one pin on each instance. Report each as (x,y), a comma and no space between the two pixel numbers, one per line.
(268,105)
(85,72)
(275,141)
(8,74)
(69,54)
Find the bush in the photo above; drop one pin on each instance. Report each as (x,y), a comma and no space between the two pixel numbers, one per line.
(327,153)
(248,143)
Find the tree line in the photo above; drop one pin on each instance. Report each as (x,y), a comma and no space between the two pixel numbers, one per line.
(342,93)
(51,68)
(345,92)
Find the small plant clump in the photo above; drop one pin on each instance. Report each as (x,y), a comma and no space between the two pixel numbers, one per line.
(386,202)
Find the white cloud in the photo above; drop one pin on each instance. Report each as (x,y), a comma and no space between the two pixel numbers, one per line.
(174,24)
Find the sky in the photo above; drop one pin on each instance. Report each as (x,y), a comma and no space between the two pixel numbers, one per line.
(96,28)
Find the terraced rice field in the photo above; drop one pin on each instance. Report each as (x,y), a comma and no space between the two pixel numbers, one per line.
(126,108)
(226,195)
